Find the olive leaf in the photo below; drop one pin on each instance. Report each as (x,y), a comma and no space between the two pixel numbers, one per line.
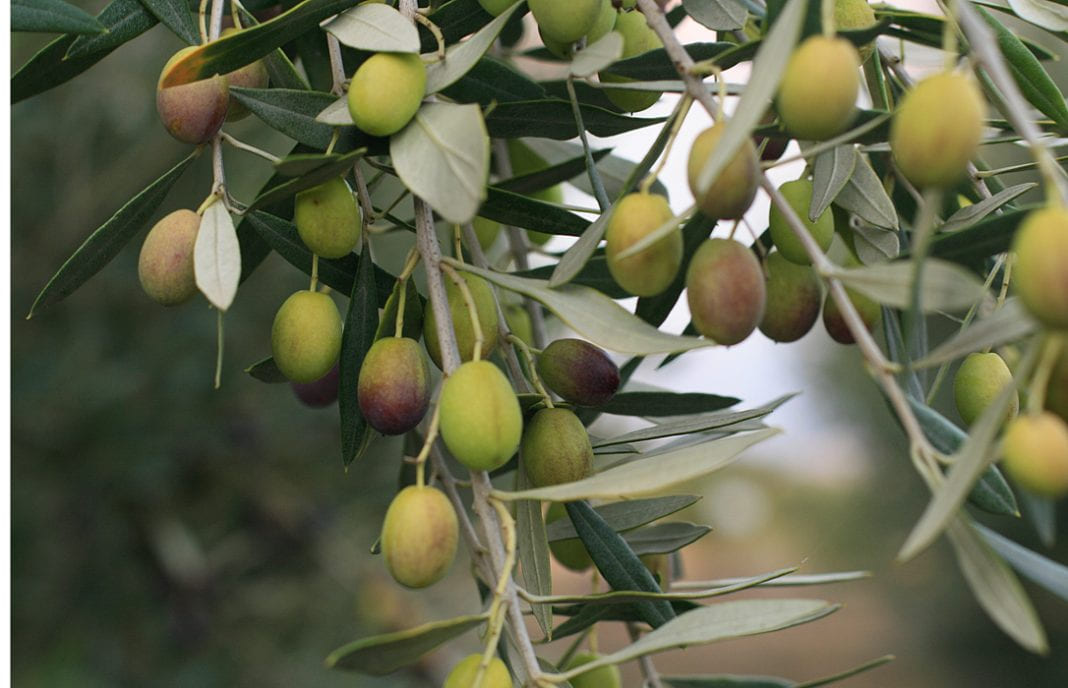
(217,256)
(52,16)
(381,655)
(461,57)
(374,27)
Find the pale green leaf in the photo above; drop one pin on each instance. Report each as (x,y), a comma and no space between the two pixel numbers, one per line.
(1007,324)
(996,587)
(374,27)
(1041,13)
(217,256)
(768,65)
(533,550)
(946,286)
(874,244)
(596,56)
(970,214)
(865,196)
(651,474)
(594,316)
(337,114)
(461,57)
(721,621)
(718,15)
(1049,574)
(383,654)
(442,156)
(792,580)
(831,171)
(572,262)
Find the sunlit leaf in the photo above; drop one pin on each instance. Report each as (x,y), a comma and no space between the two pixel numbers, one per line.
(970,214)
(217,257)
(374,27)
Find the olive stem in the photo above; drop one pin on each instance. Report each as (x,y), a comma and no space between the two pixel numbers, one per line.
(248,148)
(1036,392)
(596,183)
(472,309)
(535,379)
(216,19)
(314,273)
(202,17)
(428,442)
(402,296)
(435,31)
(363,197)
(219,342)
(427,241)
(337,65)
(645,662)
(499,606)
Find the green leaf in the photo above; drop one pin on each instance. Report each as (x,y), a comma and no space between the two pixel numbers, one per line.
(593,58)
(996,588)
(624,516)
(245,47)
(461,57)
(108,239)
(991,493)
(1035,567)
(50,67)
(664,538)
(665,403)
(865,196)
(336,273)
(549,176)
(946,287)
(381,655)
(874,244)
(52,16)
(217,257)
(175,15)
(652,473)
(594,274)
(1035,84)
(533,550)
(576,257)
(618,564)
(718,15)
(266,371)
(593,315)
(442,156)
(374,27)
(1009,323)
(970,214)
(361,323)
(831,171)
(720,621)
(518,210)
(293,112)
(332,166)
(552,118)
(768,66)
(91,44)
(688,426)
(494,81)
(619,175)
(336,114)
(455,19)
(1041,13)
(413,312)
(973,245)
(282,72)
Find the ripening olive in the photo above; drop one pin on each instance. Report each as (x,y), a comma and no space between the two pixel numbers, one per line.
(564,21)
(798,194)
(165,266)
(1035,453)
(822,107)
(602,677)
(793,299)
(306,336)
(869,311)
(485,307)
(463,674)
(638,39)
(386,92)
(320,393)
(327,218)
(480,419)
(651,270)
(725,290)
(192,112)
(556,448)
(1041,270)
(732,192)
(394,385)
(937,129)
(853,15)
(419,536)
(579,372)
(979,380)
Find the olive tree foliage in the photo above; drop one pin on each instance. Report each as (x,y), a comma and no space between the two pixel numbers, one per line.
(906,246)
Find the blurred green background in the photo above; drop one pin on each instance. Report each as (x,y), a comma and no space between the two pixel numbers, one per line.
(165,533)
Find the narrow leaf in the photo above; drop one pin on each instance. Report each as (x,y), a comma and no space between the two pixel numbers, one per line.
(293,112)
(618,564)
(217,257)
(533,550)
(374,27)
(664,538)
(865,196)
(52,16)
(946,287)
(461,57)
(688,426)
(1007,324)
(665,403)
(1035,567)
(175,15)
(267,371)
(576,257)
(831,171)
(768,66)
(108,239)
(519,210)
(593,58)
(624,516)
(493,81)
(593,315)
(413,312)
(381,655)
(335,166)
(970,214)
(718,15)
(552,118)
(443,157)
(361,323)
(650,474)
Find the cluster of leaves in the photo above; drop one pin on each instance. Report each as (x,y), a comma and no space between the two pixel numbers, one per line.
(444,157)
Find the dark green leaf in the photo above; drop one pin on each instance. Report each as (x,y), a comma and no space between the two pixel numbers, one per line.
(413,313)
(593,274)
(553,119)
(361,322)
(380,655)
(665,403)
(304,163)
(627,515)
(132,19)
(337,273)
(655,65)
(619,566)
(518,210)
(280,69)
(175,15)
(50,67)
(52,16)
(333,168)
(293,113)
(972,246)
(491,80)
(267,371)
(544,178)
(664,538)
(106,242)
(244,47)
